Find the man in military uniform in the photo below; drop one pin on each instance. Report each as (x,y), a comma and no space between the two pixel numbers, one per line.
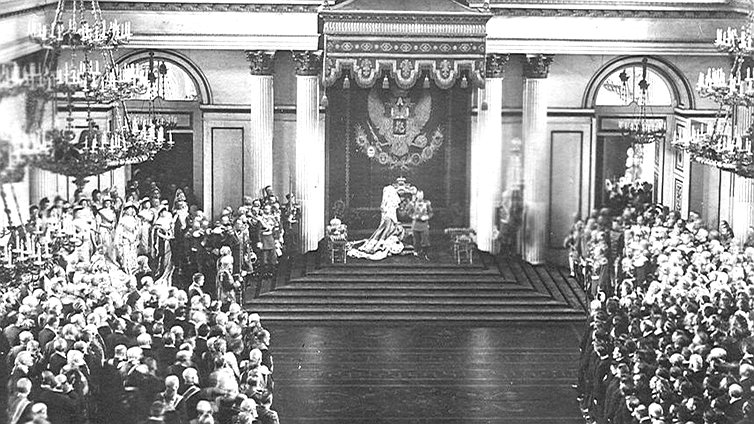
(421,213)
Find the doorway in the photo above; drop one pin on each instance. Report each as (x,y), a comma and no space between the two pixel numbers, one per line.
(170,169)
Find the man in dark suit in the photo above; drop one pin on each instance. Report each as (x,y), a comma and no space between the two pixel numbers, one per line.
(19,405)
(265,414)
(62,407)
(190,392)
(117,337)
(50,331)
(735,410)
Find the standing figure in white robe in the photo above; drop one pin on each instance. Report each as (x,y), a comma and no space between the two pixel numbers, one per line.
(127,237)
(162,234)
(106,220)
(387,238)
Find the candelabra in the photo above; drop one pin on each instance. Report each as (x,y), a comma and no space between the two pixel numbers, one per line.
(79,28)
(641,130)
(93,151)
(727,142)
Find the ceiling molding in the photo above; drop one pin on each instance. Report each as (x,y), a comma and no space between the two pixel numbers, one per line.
(223,42)
(17,7)
(591,47)
(618,13)
(246,7)
(14,50)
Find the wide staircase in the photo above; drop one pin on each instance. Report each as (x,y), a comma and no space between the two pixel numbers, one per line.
(411,289)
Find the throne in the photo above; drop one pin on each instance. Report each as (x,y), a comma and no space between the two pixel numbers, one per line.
(406,191)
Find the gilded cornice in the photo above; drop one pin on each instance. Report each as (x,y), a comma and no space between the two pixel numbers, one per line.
(405,27)
(250,7)
(617,13)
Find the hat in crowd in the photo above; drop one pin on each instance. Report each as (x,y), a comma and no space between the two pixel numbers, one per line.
(130,205)
(144,200)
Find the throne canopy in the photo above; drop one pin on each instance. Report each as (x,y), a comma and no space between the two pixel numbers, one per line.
(406,40)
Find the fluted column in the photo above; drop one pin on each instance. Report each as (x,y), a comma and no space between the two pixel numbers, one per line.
(536,158)
(742,215)
(42,184)
(310,151)
(262,109)
(486,154)
(742,211)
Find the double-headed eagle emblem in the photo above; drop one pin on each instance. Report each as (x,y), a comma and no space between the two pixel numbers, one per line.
(397,127)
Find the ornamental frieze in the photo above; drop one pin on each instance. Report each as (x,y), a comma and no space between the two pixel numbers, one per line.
(341,45)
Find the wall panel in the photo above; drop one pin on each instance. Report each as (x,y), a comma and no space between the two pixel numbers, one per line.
(227,168)
(565,183)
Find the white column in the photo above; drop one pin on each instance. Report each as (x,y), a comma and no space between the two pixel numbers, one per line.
(742,214)
(310,157)
(742,199)
(487,154)
(536,159)
(262,114)
(42,184)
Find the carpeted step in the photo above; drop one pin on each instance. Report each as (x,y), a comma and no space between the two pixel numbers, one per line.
(323,317)
(410,278)
(418,294)
(413,309)
(404,271)
(401,285)
(408,289)
(348,301)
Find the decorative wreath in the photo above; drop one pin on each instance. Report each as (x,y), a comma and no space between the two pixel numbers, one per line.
(421,149)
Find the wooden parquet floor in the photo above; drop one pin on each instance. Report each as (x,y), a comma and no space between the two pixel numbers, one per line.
(433,372)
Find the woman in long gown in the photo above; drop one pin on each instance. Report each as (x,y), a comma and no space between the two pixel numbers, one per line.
(126,238)
(162,236)
(386,239)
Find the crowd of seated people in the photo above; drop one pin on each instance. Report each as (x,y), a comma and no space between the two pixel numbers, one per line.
(669,335)
(110,330)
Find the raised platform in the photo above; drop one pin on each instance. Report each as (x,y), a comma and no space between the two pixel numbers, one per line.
(408,288)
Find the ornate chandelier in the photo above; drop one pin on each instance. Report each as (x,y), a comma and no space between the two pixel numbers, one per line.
(641,130)
(80,27)
(94,151)
(727,142)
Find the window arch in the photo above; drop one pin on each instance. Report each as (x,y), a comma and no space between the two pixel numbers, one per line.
(183,80)
(664,79)
(622,88)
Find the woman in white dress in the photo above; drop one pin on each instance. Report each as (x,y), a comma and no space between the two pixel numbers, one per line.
(386,239)
(162,235)
(126,238)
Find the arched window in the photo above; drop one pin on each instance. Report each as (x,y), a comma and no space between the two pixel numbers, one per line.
(621,88)
(171,82)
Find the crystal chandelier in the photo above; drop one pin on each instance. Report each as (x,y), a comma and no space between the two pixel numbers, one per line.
(726,143)
(641,130)
(154,128)
(80,27)
(95,150)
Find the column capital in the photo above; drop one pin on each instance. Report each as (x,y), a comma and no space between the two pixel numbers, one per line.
(495,65)
(308,62)
(537,65)
(261,62)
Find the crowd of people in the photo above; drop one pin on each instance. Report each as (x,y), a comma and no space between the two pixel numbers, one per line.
(669,336)
(137,317)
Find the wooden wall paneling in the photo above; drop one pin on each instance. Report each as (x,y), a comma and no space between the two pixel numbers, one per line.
(227,168)
(565,183)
